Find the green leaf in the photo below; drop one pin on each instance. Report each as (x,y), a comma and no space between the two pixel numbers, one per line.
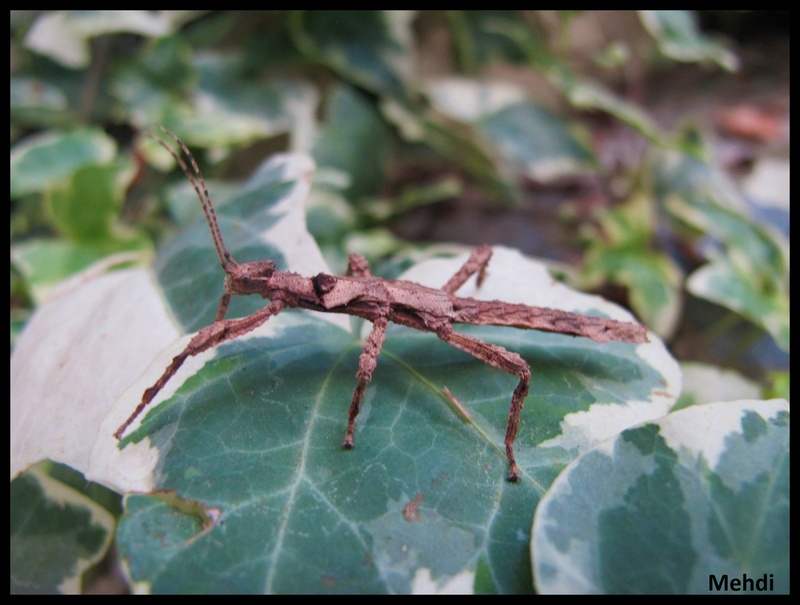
(778,386)
(478,38)
(276,408)
(290,497)
(586,95)
(34,101)
(751,248)
(98,333)
(720,282)
(653,282)
(154,86)
(86,207)
(64,36)
(679,38)
(749,273)
(57,533)
(666,505)
(230,106)
(49,158)
(581,92)
(454,140)
(371,49)
(330,216)
(352,125)
(46,262)
(368,48)
(620,252)
(248,436)
(531,140)
(536,141)
(243,218)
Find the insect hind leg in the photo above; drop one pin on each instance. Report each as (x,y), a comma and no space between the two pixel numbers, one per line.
(507,361)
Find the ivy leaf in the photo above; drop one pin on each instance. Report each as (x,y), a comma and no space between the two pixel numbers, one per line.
(584,94)
(679,38)
(238,464)
(531,140)
(620,252)
(49,158)
(666,506)
(748,270)
(64,36)
(352,125)
(720,281)
(231,107)
(369,48)
(86,208)
(57,531)
(477,38)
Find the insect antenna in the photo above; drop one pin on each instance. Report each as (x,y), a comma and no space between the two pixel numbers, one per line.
(225,258)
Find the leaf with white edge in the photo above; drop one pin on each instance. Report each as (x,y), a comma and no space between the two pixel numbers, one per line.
(256,434)
(753,249)
(530,138)
(653,281)
(676,505)
(98,333)
(48,158)
(64,36)
(620,252)
(230,107)
(582,93)
(460,144)
(679,38)
(751,275)
(703,383)
(676,173)
(46,263)
(587,95)
(57,533)
(720,282)
(248,436)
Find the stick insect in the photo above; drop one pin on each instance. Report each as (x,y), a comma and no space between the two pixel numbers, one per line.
(380,301)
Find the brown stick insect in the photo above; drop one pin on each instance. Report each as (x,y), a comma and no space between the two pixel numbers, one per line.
(380,301)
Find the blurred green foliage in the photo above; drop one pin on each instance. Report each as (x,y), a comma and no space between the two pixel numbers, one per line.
(392,122)
(353,89)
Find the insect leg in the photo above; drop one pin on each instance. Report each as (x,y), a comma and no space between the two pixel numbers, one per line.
(207,338)
(507,361)
(223,306)
(476,263)
(366,366)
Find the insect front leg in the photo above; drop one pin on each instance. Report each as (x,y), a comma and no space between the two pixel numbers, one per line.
(207,338)
(476,263)
(223,306)
(507,361)
(367,363)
